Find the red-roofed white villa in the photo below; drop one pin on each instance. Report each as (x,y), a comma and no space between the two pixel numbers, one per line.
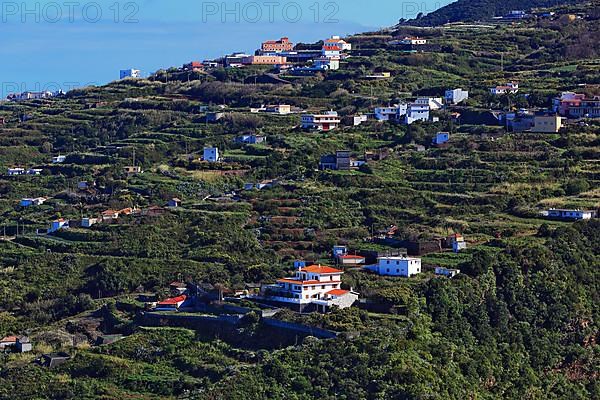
(315,287)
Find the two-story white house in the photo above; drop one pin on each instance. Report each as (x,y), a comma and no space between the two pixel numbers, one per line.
(456,96)
(322,122)
(434,103)
(396,266)
(315,287)
(416,112)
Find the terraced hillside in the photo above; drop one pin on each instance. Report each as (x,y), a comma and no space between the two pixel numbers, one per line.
(521,321)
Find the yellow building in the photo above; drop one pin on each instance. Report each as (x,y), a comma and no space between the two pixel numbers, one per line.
(547,123)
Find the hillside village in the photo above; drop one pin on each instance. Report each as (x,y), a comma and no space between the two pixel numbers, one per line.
(371,188)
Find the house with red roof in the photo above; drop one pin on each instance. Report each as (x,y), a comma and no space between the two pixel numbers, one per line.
(8,341)
(336,41)
(171,304)
(314,287)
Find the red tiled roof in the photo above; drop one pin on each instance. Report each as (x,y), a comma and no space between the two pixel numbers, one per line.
(337,292)
(173,301)
(305,283)
(9,339)
(321,269)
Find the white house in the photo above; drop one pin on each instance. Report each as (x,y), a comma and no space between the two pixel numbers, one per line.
(174,203)
(413,40)
(321,122)
(172,304)
(33,171)
(396,266)
(456,96)
(28,202)
(315,285)
(331,52)
(339,250)
(359,119)
(458,242)
(570,214)
(130,73)
(250,139)
(211,154)
(416,112)
(58,225)
(509,87)
(327,63)
(450,273)
(434,103)
(15,171)
(336,41)
(281,109)
(88,222)
(58,159)
(441,138)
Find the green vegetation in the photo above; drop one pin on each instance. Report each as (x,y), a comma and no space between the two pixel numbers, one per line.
(521,321)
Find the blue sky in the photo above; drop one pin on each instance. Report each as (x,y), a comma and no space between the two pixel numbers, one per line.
(47,44)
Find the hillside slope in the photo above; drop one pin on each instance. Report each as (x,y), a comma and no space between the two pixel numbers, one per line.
(476,10)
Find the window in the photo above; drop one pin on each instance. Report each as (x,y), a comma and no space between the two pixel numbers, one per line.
(388,270)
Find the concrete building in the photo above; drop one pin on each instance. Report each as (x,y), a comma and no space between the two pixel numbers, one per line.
(416,112)
(130,73)
(339,43)
(30,202)
(251,139)
(313,287)
(281,109)
(264,60)
(441,138)
(413,40)
(211,154)
(351,260)
(277,46)
(58,159)
(58,225)
(576,105)
(23,344)
(327,63)
(456,96)
(450,273)
(234,60)
(457,242)
(547,123)
(434,103)
(508,88)
(569,214)
(390,113)
(396,266)
(89,222)
(321,122)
